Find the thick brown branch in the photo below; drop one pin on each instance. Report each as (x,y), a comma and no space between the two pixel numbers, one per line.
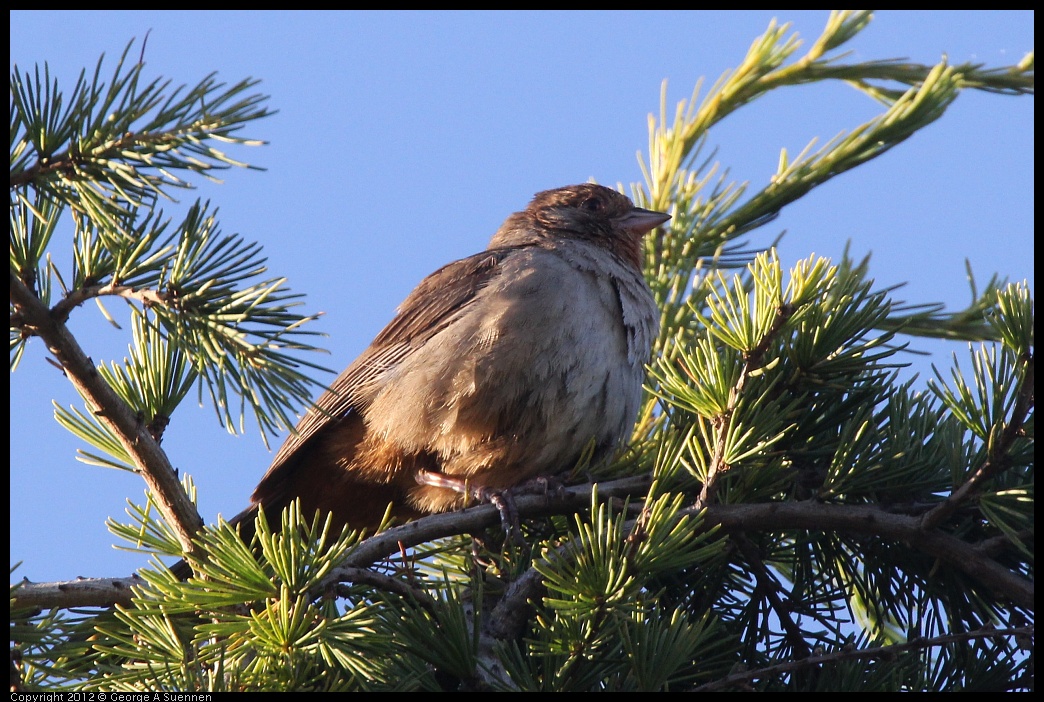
(508,619)
(151,461)
(859,519)
(82,592)
(437,526)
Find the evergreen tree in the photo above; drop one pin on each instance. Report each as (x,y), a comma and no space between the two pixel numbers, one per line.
(789,515)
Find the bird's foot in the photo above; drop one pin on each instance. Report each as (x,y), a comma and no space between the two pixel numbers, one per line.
(541,485)
(502,499)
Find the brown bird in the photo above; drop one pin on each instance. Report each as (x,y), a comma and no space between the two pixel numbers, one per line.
(498,368)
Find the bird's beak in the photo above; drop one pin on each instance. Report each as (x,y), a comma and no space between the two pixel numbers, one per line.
(640,221)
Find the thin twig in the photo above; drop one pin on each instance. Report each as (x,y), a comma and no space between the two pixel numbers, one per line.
(886,652)
(770,586)
(146,296)
(997,461)
(723,422)
(387,583)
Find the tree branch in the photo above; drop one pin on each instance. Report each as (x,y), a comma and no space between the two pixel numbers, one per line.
(509,616)
(965,557)
(381,581)
(723,423)
(771,587)
(861,519)
(82,592)
(149,458)
(146,296)
(473,519)
(884,652)
(874,521)
(997,458)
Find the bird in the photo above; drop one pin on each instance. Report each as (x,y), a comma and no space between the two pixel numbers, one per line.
(498,368)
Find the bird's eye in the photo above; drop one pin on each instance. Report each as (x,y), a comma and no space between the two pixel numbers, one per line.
(592,204)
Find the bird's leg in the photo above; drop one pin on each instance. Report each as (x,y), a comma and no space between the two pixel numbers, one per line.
(501,499)
(504,501)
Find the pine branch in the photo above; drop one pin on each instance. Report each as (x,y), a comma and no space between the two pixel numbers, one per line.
(868,520)
(753,360)
(134,436)
(475,519)
(889,652)
(117,144)
(147,297)
(876,521)
(82,592)
(997,459)
(769,587)
(379,581)
(509,617)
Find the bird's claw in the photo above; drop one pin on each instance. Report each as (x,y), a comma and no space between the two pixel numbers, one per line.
(503,499)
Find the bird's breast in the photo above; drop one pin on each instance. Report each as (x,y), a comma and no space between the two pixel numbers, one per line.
(545,360)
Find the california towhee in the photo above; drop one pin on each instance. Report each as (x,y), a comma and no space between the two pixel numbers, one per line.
(498,368)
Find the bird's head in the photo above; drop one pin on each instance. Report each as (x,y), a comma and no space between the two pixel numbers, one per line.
(587,212)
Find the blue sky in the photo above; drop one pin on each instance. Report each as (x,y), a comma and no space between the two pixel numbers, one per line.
(402,140)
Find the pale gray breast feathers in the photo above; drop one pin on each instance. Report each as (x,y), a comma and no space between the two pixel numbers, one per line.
(552,350)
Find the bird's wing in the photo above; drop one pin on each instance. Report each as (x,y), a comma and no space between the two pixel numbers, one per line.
(428,309)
